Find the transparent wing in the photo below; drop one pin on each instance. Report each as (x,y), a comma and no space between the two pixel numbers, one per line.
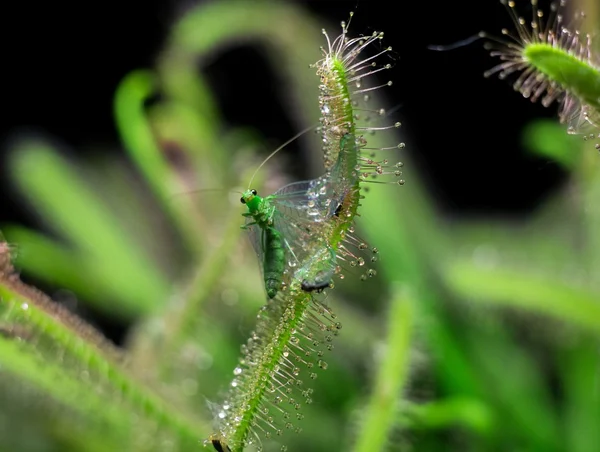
(303,211)
(257,239)
(307,249)
(310,201)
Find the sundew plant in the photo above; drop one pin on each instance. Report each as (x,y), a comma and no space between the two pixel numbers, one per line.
(341,312)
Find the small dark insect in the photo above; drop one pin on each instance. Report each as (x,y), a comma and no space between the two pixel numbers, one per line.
(219,444)
(338,210)
(314,287)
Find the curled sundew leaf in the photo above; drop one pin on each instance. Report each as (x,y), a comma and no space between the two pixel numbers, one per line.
(141,143)
(46,345)
(287,34)
(348,78)
(554,61)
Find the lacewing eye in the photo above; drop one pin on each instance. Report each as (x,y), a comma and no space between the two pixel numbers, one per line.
(242,200)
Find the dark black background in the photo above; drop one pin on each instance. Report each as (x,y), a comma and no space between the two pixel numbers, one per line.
(62,61)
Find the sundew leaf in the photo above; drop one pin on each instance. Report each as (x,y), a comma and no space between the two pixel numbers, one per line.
(413,246)
(50,351)
(272,380)
(161,153)
(554,62)
(295,326)
(578,76)
(40,394)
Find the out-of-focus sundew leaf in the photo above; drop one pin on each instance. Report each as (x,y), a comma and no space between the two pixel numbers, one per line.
(518,392)
(67,402)
(46,349)
(548,139)
(579,366)
(445,413)
(407,260)
(57,193)
(291,38)
(141,143)
(504,287)
(391,375)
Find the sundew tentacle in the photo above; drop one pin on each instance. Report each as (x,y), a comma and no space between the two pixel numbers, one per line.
(552,61)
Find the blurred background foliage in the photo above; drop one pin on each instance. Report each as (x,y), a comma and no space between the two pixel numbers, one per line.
(500,316)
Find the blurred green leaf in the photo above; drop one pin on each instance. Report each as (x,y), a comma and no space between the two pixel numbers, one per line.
(391,375)
(504,287)
(548,139)
(455,411)
(579,367)
(59,194)
(50,352)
